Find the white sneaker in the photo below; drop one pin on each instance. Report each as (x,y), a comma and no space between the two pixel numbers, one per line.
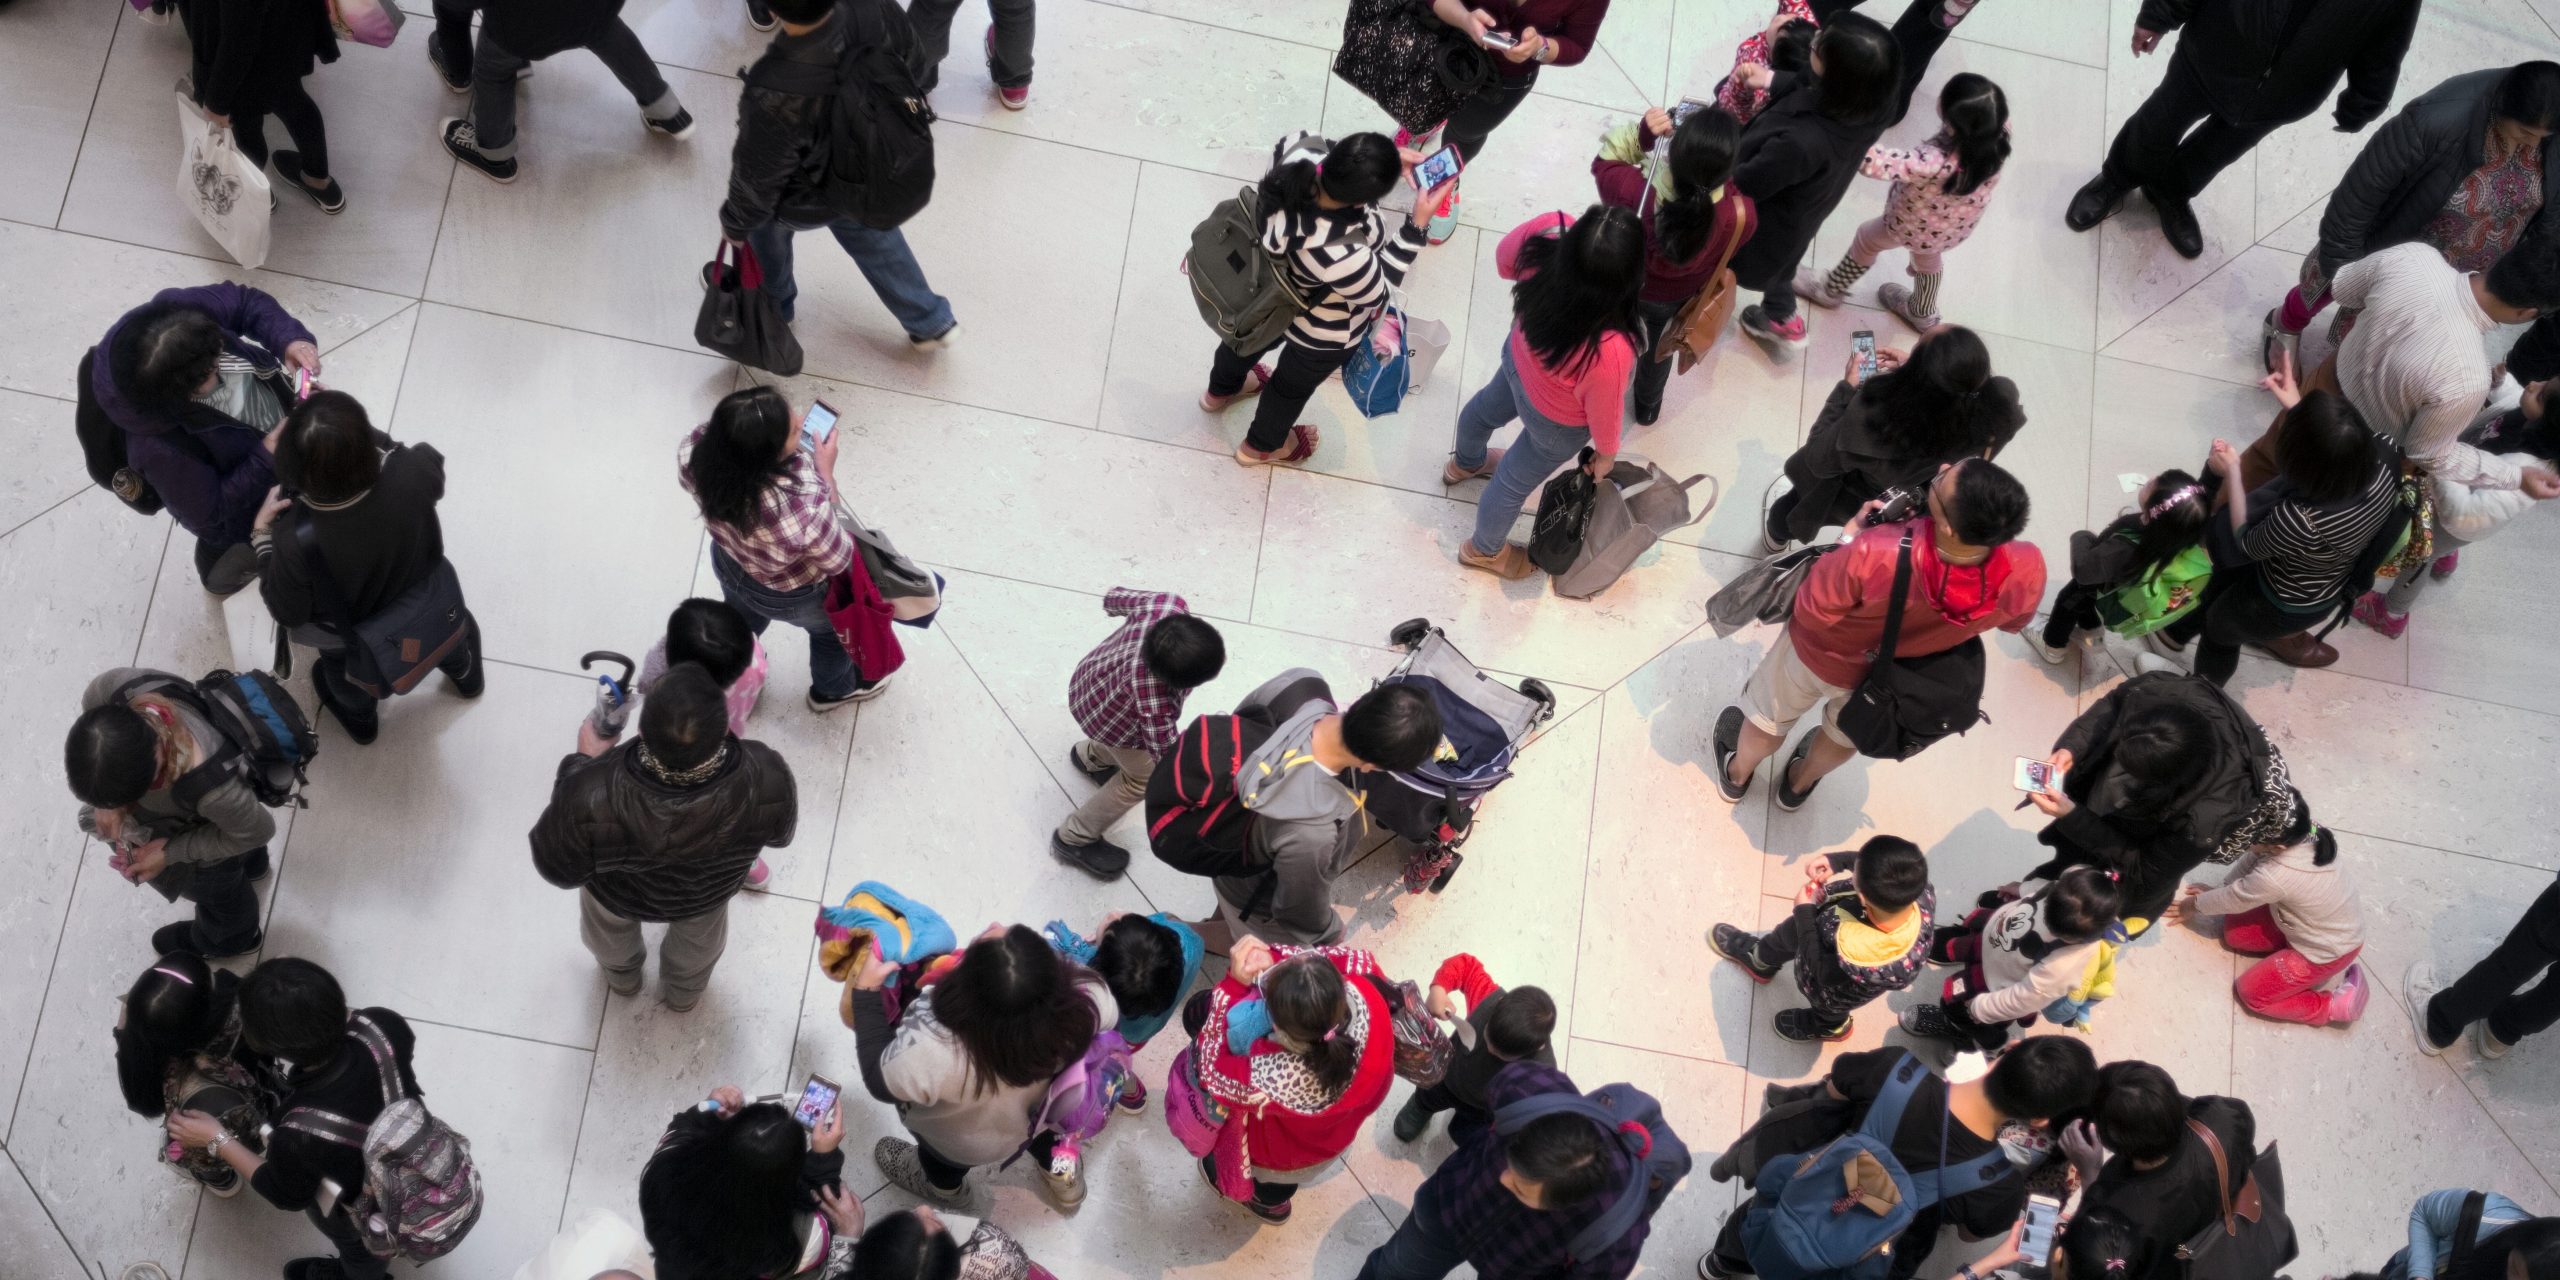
(2489,1045)
(2053,656)
(2418,986)
(2146,663)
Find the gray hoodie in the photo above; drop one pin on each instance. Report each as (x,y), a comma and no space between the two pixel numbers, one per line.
(1305,821)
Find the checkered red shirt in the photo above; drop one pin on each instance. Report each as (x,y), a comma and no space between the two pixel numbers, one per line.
(796,540)
(1116,700)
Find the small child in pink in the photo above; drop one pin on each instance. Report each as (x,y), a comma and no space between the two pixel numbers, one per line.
(1784,45)
(1940,189)
(2289,901)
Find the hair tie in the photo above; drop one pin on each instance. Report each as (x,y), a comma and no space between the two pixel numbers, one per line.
(1331,1032)
(2114,1265)
(2113,876)
(172,973)
(2183,492)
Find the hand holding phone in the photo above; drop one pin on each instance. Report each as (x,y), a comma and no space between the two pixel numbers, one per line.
(1862,355)
(1436,169)
(302,384)
(817,424)
(817,1098)
(1501,40)
(2035,1242)
(2035,777)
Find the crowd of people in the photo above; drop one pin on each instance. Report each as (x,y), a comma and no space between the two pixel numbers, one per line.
(2406,442)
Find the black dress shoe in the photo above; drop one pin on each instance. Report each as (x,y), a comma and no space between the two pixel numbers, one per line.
(179,938)
(2095,202)
(2177,223)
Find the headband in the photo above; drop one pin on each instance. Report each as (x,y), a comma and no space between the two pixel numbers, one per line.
(2181,494)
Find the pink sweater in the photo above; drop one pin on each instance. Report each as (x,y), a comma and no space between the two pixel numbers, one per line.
(1590,398)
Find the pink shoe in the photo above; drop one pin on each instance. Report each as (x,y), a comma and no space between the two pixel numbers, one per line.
(2371,611)
(758,875)
(2346,1004)
(2445,565)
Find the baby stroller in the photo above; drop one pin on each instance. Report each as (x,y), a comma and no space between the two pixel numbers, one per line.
(1482,722)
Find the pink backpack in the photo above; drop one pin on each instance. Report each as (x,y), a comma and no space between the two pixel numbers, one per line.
(1081,1098)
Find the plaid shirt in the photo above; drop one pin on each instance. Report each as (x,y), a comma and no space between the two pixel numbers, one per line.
(1464,1200)
(796,540)
(1116,700)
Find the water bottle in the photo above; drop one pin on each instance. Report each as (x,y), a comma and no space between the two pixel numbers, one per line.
(613,697)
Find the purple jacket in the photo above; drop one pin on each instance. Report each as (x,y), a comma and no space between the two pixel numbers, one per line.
(211,470)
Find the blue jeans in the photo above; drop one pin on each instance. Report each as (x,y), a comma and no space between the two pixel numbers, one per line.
(886,262)
(1414,1252)
(1543,446)
(831,673)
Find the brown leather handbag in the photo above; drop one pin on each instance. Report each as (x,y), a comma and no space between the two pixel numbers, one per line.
(2251,1239)
(1701,320)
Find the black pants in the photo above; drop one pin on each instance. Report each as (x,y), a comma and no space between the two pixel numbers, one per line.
(2495,988)
(2075,608)
(1782,510)
(1653,375)
(355,708)
(2235,611)
(2156,150)
(1917,34)
(1478,116)
(355,1261)
(301,119)
(1293,382)
(949,1174)
(1467,1121)
(225,569)
(226,907)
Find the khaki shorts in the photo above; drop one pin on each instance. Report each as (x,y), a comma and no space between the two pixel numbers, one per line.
(1782,689)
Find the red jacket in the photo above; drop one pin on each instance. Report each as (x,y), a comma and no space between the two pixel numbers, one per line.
(1276,1137)
(1839,617)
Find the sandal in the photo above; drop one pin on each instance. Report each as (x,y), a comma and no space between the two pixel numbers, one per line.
(1211,402)
(1302,446)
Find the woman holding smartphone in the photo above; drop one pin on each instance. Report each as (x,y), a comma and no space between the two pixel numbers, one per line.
(1892,427)
(739,1188)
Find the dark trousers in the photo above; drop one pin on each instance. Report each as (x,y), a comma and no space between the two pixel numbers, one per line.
(1293,382)
(1009,55)
(948,1174)
(225,569)
(1782,510)
(1468,1121)
(2235,611)
(2075,608)
(355,708)
(226,907)
(1417,1251)
(1270,1195)
(2156,150)
(2495,988)
(354,1260)
(301,118)
(1476,118)
(1653,375)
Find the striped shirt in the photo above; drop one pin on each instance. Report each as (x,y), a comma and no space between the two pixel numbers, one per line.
(2414,365)
(1344,261)
(2303,550)
(795,540)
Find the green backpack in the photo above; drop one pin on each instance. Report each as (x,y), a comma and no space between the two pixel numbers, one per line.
(2154,600)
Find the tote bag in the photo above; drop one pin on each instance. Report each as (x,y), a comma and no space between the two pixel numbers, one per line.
(1631,509)
(1377,383)
(1414,66)
(228,195)
(1765,592)
(2251,1239)
(372,22)
(861,617)
(739,321)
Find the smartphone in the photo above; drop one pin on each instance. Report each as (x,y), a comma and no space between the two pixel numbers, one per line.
(1863,345)
(1502,39)
(816,1099)
(2036,1242)
(301,385)
(2035,777)
(817,424)
(1438,167)
(1687,108)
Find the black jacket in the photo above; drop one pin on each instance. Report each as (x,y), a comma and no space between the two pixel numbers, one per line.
(2406,174)
(1852,454)
(376,548)
(2168,1205)
(2259,66)
(689,1250)
(1795,163)
(536,29)
(775,170)
(2154,848)
(247,53)
(650,850)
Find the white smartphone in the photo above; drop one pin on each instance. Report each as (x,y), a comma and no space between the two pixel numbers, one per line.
(301,384)
(2036,1242)
(1502,39)
(817,424)
(1863,344)
(1438,167)
(816,1098)
(1688,107)
(2035,777)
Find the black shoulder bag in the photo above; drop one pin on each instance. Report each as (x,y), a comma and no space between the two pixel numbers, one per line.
(1904,704)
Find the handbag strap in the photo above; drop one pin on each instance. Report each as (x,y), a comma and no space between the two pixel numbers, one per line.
(2221,1174)
(329,601)
(1893,618)
(2466,1233)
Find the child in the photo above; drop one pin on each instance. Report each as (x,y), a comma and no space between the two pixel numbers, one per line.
(1501,1028)
(2013,970)
(1940,189)
(714,634)
(1799,156)
(2464,515)
(1127,697)
(2289,902)
(2137,575)
(1786,44)
(1148,962)
(1860,932)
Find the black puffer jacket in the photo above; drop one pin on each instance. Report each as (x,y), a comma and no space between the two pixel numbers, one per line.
(2240,51)
(2155,848)
(775,170)
(2405,176)
(649,850)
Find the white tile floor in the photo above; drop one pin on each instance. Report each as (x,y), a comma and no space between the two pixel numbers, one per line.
(538,333)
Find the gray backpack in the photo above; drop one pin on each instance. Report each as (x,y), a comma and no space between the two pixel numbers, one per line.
(421,1191)
(1632,509)
(1243,292)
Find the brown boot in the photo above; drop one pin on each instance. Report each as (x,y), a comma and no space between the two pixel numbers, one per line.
(1512,562)
(2300,650)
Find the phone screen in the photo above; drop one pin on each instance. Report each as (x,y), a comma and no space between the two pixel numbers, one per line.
(2036,1242)
(1863,343)
(301,384)
(2033,776)
(816,1098)
(1438,167)
(1688,107)
(817,424)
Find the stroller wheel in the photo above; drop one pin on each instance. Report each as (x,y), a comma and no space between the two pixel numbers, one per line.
(1441,881)
(1546,697)
(1410,633)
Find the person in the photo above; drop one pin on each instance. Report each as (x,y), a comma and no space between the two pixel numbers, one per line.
(769,500)
(312,1054)
(664,830)
(2091,1242)
(1859,931)
(1943,1125)
(713,635)
(1786,44)
(1309,827)
(248,59)
(515,34)
(2244,69)
(1799,156)
(2018,952)
(1510,1204)
(2141,571)
(1500,1028)
(1694,219)
(370,506)
(2493,992)
(137,759)
(969,1062)
(1318,204)
(2162,773)
(1126,694)
(1940,189)
(739,1188)
(2285,551)
(2466,167)
(184,378)
(1007,45)
(1543,32)
(2521,433)
(2288,901)
(1564,374)
(1149,963)
(1918,34)
(924,1244)
(1969,575)
(2435,1224)
(1890,430)
(776,164)
(2139,1157)
(178,1048)
(1298,1045)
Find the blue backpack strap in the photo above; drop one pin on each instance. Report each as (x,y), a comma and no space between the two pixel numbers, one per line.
(1931,1186)
(1628,1207)
(1884,1115)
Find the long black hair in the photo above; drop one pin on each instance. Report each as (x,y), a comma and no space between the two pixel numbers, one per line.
(2172,522)
(2324,848)
(2160,749)
(1578,287)
(722,1199)
(1358,170)
(739,454)
(1310,1003)
(1861,70)
(1977,116)
(1701,160)
(1934,401)
(175,1008)
(901,1247)
(1013,1004)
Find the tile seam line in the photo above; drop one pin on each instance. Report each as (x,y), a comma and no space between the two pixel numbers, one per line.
(96,91)
(1590,838)
(586,1103)
(66,500)
(1666,1053)
(589,1050)
(2460,1080)
(53,969)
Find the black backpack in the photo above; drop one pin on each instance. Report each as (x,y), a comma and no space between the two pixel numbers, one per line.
(879,140)
(267,741)
(102,447)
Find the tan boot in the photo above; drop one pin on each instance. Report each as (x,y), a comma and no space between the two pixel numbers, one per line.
(1512,563)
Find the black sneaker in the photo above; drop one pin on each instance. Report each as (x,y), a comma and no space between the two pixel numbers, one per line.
(861,693)
(1711,1267)
(1789,798)
(1804,1026)
(936,342)
(1101,859)
(435,58)
(1728,739)
(331,198)
(258,866)
(1928,1021)
(314,1269)
(464,144)
(1411,1120)
(675,126)
(1738,945)
(172,939)
(1100,775)
(1274,1214)
(473,679)
(360,727)
(225,1183)
(1648,414)
(760,15)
